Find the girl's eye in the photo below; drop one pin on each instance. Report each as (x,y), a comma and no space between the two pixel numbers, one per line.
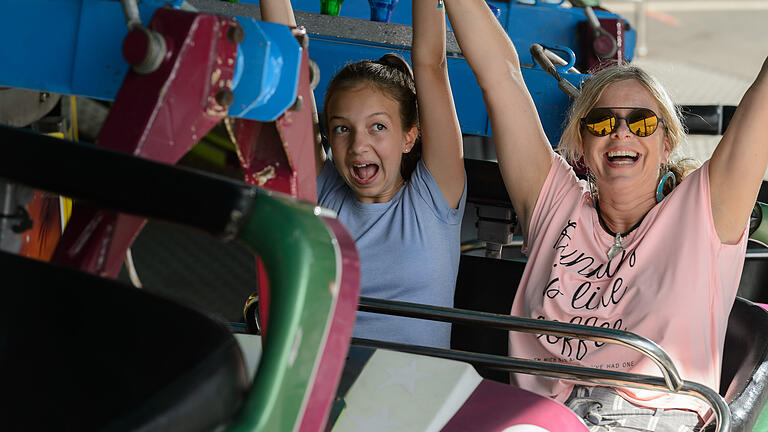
(340,129)
(379,127)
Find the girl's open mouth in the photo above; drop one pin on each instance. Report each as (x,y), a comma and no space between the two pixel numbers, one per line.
(364,173)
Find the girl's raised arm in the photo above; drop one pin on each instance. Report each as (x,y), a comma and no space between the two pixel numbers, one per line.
(441,140)
(281,12)
(524,153)
(739,161)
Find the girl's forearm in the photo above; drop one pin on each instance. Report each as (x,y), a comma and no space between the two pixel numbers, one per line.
(428,47)
(277,11)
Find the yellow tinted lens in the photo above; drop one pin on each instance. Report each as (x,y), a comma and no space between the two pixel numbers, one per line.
(600,122)
(642,122)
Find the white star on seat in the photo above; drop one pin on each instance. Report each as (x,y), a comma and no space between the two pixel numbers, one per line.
(405,376)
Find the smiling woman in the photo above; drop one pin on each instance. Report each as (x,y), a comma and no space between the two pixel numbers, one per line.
(646,244)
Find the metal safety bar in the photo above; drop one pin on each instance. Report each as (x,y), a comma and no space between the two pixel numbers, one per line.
(554,370)
(528,325)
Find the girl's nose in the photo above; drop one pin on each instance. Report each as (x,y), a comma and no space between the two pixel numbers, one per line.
(359,141)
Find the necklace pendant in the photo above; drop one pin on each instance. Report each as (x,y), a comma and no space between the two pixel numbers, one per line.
(616,247)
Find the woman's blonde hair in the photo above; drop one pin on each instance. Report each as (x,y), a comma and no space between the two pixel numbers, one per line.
(571,144)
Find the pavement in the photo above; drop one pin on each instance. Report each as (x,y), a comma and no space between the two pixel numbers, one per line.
(703,51)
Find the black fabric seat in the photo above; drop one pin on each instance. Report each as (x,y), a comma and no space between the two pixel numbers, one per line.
(82,353)
(486,285)
(744,379)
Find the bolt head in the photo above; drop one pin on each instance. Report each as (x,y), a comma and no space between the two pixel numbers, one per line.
(298,104)
(225,97)
(235,34)
(136,46)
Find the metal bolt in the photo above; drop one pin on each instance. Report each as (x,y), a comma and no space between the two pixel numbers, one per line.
(225,97)
(235,34)
(314,74)
(300,33)
(144,49)
(298,104)
(44,96)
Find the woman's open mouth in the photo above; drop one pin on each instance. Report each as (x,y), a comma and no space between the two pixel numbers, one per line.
(621,158)
(364,173)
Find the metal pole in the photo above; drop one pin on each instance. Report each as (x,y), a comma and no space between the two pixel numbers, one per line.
(641,8)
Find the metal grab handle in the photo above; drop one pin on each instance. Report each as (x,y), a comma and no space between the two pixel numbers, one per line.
(599,32)
(539,55)
(595,376)
(131,12)
(559,61)
(529,325)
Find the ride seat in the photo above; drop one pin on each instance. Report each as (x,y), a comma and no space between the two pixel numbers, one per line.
(82,353)
(486,285)
(744,375)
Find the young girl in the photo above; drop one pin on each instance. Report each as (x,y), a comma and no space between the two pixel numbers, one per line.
(400,194)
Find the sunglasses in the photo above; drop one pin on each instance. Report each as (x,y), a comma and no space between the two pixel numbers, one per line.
(602,121)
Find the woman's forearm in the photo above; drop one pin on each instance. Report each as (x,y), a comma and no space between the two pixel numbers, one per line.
(483,42)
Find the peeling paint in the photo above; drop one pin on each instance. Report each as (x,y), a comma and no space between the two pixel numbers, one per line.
(215,76)
(265,175)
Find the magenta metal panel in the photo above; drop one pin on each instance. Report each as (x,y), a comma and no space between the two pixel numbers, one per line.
(159,116)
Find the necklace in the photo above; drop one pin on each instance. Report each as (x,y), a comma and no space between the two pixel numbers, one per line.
(616,248)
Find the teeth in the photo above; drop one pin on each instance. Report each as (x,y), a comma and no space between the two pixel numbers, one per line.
(621,153)
(360,165)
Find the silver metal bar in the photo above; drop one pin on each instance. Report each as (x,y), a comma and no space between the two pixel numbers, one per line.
(131,12)
(528,325)
(554,370)
(641,24)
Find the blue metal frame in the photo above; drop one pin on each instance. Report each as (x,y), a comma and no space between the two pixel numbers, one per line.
(526,24)
(79,52)
(331,54)
(74,47)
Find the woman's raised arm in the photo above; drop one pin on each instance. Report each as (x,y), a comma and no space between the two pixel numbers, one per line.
(738,164)
(524,153)
(441,140)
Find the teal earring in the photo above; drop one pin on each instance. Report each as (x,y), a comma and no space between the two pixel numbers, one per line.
(666,177)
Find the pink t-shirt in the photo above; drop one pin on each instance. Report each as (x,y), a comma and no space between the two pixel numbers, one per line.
(674,284)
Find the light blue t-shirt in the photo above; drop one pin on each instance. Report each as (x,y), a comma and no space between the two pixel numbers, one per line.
(409,251)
